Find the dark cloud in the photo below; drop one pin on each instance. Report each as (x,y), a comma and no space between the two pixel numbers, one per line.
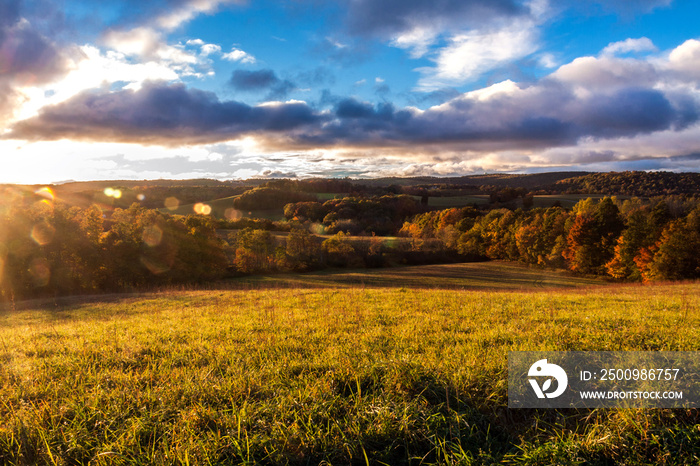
(382,91)
(277,174)
(24,51)
(9,15)
(160,114)
(352,109)
(627,112)
(389,17)
(262,80)
(623,7)
(319,76)
(26,57)
(546,115)
(551,113)
(253,80)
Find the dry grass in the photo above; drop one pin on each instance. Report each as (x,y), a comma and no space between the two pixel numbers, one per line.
(333,375)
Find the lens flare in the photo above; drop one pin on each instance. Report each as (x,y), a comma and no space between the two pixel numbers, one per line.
(152,235)
(154,267)
(46,193)
(172,203)
(40,271)
(202,209)
(112,192)
(42,233)
(233,214)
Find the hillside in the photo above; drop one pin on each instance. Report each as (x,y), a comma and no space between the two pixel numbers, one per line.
(304,376)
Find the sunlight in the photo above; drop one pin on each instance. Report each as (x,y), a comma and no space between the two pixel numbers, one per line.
(46,193)
(111,192)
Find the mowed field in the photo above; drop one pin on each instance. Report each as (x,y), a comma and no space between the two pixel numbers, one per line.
(496,275)
(223,209)
(389,372)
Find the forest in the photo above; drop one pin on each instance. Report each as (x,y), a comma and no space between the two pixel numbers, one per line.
(50,246)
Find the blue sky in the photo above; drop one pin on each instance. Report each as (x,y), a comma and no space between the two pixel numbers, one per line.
(364,88)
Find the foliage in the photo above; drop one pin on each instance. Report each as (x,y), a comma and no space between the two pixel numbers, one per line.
(595,237)
(381,215)
(47,248)
(266,198)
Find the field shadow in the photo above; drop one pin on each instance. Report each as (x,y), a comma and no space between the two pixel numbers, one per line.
(468,276)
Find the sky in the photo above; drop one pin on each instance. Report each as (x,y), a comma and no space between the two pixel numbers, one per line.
(236,89)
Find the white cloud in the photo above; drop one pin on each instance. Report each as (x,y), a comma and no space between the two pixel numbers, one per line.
(643,44)
(335,43)
(239,56)
(547,60)
(95,70)
(418,40)
(209,49)
(188,11)
(606,72)
(467,56)
(505,88)
(685,60)
(148,44)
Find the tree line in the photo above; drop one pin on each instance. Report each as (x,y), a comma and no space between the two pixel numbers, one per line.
(631,240)
(49,248)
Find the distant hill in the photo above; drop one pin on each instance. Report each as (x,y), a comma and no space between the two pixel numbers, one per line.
(635,183)
(153,192)
(501,180)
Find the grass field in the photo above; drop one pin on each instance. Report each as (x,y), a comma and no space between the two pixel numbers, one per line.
(494,275)
(331,375)
(223,209)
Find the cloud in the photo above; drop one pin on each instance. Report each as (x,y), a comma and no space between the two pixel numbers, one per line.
(467,56)
(643,44)
(260,80)
(319,76)
(163,14)
(391,18)
(147,44)
(237,55)
(186,10)
(594,74)
(578,114)
(210,49)
(27,58)
(623,7)
(159,113)
(684,61)
(253,80)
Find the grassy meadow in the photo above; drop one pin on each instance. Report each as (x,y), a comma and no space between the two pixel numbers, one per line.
(380,373)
